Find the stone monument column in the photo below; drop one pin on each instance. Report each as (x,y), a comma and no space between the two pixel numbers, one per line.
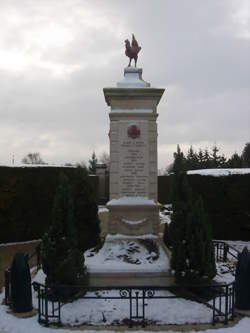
(133,205)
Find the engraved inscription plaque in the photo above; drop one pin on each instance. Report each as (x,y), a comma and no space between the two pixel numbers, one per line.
(133,161)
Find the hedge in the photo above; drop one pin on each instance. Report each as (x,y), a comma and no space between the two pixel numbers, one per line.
(226,199)
(26,199)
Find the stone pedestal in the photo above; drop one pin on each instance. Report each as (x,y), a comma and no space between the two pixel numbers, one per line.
(133,202)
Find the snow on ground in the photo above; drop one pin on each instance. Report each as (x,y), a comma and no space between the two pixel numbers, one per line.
(104,312)
(225,272)
(18,243)
(164,218)
(239,245)
(219,172)
(102,209)
(21,165)
(175,310)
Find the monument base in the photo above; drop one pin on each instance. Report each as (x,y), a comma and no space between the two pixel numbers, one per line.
(129,261)
(133,216)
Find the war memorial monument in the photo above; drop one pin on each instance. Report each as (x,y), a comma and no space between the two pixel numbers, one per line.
(133,253)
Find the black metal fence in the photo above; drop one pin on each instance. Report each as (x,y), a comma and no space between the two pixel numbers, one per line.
(223,251)
(220,302)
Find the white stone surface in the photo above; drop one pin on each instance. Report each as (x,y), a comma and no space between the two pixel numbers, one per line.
(131,201)
(133,78)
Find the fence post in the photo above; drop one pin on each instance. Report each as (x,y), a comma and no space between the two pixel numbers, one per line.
(59,314)
(130,308)
(39,303)
(226,306)
(46,306)
(225,252)
(38,256)
(233,299)
(7,286)
(143,308)
(214,309)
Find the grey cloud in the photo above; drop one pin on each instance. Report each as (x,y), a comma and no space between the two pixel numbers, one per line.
(190,47)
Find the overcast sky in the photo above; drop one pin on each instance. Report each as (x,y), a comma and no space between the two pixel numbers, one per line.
(57,55)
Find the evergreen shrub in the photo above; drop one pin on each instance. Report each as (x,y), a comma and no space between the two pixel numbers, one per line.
(62,260)
(192,248)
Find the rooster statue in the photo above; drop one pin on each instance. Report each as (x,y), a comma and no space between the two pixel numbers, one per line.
(132,50)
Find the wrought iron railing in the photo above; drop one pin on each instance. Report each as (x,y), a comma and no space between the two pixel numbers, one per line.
(223,251)
(221,300)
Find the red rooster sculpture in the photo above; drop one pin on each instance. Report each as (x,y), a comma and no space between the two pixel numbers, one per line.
(132,50)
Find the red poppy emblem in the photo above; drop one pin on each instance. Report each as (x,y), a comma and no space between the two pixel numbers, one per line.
(134,132)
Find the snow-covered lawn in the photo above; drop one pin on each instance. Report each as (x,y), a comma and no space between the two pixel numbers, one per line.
(11,324)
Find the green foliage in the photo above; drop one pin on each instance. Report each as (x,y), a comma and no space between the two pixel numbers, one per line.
(63,262)
(92,164)
(192,248)
(200,261)
(246,155)
(192,160)
(179,161)
(205,159)
(85,211)
(235,161)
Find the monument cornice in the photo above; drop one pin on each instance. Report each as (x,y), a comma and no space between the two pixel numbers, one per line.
(132,94)
(136,115)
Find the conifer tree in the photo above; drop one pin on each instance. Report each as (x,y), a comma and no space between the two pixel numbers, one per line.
(191,159)
(207,159)
(85,211)
(62,261)
(200,261)
(215,157)
(246,156)
(177,229)
(192,247)
(235,161)
(201,159)
(92,164)
(179,161)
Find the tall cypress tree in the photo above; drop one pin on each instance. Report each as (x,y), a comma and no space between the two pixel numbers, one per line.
(92,164)
(192,161)
(85,210)
(235,161)
(179,161)
(200,251)
(62,261)
(246,155)
(181,197)
(192,251)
